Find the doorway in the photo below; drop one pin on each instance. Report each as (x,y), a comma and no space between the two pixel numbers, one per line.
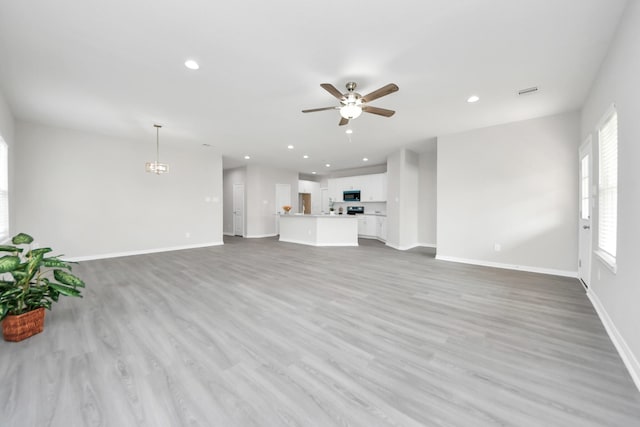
(238,210)
(304,203)
(585,234)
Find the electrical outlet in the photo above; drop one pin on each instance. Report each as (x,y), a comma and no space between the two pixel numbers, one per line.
(497,247)
(187,234)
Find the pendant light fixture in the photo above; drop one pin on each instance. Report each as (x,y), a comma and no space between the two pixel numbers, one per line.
(157,167)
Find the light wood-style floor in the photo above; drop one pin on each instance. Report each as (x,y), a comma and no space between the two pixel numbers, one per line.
(263,333)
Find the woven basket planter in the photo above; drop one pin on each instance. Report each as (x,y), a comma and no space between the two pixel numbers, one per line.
(23,326)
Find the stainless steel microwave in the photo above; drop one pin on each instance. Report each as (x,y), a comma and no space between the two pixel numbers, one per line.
(351,196)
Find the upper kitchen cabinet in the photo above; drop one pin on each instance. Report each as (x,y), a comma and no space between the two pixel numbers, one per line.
(349,183)
(308,186)
(373,188)
(335,193)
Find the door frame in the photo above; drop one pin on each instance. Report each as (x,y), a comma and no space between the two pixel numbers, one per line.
(237,187)
(585,226)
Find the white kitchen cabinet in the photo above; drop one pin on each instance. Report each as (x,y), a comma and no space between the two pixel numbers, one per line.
(352,183)
(377,188)
(381,228)
(367,226)
(335,193)
(373,188)
(362,225)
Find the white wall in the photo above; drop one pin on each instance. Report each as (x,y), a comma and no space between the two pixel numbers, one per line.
(7,133)
(364,170)
(402,199)
(260,192)
(87,195)
(427,196)
(6,121)
(229,178)
(515,185)
(617,296)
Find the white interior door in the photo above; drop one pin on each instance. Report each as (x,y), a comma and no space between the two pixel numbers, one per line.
(238,209)
(283,198)
(586,207)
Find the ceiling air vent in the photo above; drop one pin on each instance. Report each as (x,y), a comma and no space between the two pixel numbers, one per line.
(528,90)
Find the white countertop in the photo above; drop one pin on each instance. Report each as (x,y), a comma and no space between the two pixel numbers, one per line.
(316,216)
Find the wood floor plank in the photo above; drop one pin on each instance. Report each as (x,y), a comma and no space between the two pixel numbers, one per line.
(263,333)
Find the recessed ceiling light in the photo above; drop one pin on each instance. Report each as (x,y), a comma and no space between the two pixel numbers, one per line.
(364,159)
(313,172)
(328,165)
(348,131)
(247,157)
(305,156)
(473,98)
(191,64)
(290,147)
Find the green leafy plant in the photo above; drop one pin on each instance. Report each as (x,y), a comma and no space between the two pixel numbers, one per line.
(29,279)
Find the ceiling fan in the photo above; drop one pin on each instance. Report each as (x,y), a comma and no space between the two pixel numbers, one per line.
(352,104)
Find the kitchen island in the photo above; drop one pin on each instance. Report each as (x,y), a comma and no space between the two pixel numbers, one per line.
(319,230)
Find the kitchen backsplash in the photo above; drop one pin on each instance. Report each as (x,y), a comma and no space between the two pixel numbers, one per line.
(369,207)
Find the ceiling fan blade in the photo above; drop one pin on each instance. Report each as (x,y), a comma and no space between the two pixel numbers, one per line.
(313,110)
(343,122)
(332,90)
(378,111)
(383,91)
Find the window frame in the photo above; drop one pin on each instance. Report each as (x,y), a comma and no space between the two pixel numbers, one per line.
(4,192)
(606,257)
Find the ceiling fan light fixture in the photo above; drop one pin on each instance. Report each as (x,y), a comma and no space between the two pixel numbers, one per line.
(350,111)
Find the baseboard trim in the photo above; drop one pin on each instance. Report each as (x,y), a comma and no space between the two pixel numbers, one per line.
(259,236)
(402,248)
(428,245)
(628,358)
(226,233)
(141,252)
(551,271)
(300,242)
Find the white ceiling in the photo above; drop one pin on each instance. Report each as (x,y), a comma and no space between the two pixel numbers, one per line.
(116,67)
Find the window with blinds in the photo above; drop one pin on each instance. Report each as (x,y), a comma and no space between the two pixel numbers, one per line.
(4,191)
(608,188)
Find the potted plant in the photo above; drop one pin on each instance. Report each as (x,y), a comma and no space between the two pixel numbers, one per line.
(29,283)
(331,208)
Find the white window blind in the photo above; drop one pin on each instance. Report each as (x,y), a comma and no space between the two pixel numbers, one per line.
(4,191)
(608,186)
